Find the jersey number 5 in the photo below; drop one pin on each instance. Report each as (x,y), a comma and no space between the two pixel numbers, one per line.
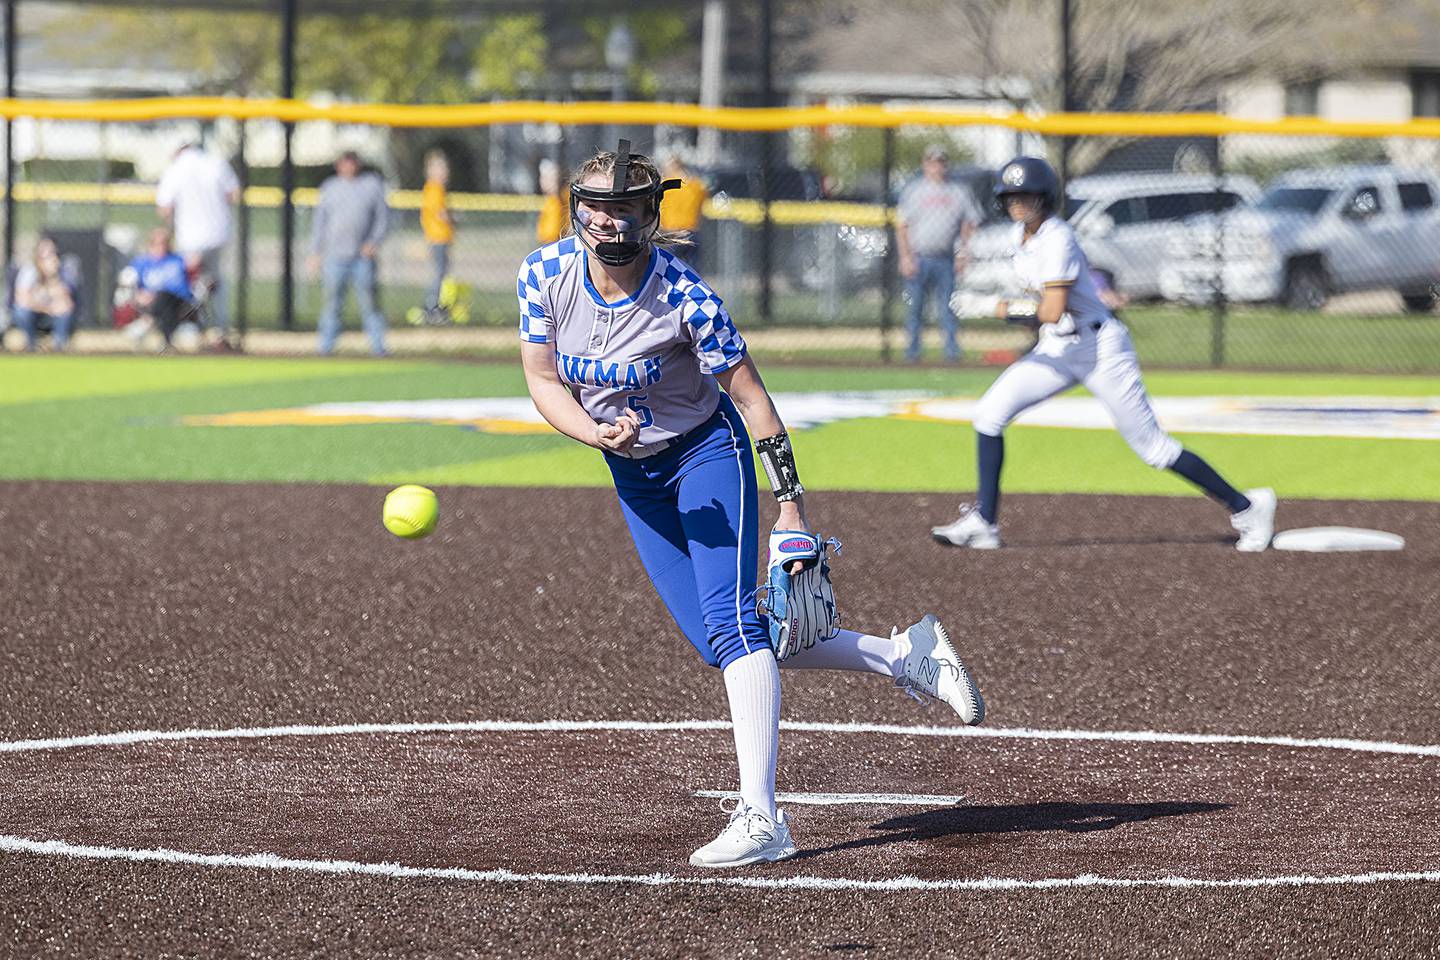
(646,417)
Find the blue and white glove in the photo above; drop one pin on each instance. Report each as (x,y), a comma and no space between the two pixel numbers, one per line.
(800,606)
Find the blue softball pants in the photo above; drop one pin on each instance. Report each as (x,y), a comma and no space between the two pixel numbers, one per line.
(693,513)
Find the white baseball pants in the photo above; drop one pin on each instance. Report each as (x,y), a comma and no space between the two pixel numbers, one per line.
(1104,362)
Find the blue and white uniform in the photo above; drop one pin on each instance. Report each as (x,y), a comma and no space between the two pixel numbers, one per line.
(687,488)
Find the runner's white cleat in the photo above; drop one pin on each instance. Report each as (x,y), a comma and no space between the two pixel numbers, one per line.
(1256,523)
(970,530)
(934,669)
(751,837)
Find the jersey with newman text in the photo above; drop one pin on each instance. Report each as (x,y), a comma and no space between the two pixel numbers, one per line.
(655,352)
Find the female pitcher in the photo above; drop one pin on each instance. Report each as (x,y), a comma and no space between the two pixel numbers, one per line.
(627,349)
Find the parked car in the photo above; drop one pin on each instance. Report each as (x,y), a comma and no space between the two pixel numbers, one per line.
(1125,223)
(1315,233)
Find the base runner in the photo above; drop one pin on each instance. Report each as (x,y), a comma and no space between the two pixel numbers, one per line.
(1080,341)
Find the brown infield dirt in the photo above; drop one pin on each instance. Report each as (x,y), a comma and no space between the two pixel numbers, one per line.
(172,607)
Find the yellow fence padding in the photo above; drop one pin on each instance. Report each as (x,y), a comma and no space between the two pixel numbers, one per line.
(784,212)
(690,115)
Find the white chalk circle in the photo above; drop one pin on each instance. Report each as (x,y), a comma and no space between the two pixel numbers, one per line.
(1336,539)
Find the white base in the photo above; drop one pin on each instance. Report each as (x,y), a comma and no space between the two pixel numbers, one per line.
(1336,539)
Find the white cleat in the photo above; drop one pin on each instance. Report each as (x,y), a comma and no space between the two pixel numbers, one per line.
(751,837)
(934,669)
(970,530)
(1256,523)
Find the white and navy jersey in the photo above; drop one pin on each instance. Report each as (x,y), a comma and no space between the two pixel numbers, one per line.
(1052,257)
(655,352)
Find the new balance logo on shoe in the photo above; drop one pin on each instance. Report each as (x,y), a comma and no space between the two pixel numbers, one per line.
(933,669)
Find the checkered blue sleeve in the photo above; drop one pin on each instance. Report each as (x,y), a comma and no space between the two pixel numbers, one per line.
(536,324)
(715,340)
(718,344)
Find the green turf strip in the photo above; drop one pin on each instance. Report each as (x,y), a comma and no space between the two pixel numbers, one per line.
(119,419)
(972,382)
(893,455)
(32,379)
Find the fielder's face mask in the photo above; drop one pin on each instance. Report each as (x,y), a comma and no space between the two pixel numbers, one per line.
(624,238)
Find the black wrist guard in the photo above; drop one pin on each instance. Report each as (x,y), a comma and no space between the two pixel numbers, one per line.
(779,462)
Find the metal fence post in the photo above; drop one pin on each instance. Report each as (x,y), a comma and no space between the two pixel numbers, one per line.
(104,271)
(242,230)
(887,265)
(1219,308)
(767,162)
(1067,89)
(287,169)
(10,46)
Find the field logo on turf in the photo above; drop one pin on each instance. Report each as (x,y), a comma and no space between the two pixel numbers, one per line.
(517,415)
(1416,418)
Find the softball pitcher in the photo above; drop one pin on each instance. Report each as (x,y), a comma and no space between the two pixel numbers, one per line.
(1080,341)
(627,349)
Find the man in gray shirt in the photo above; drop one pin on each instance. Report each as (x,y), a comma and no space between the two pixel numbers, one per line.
(936,219)
(350,222)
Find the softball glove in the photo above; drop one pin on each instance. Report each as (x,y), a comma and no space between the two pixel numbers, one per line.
(800,606)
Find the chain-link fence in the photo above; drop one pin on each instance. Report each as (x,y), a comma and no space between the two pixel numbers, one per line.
(1242,249)
(1295,245)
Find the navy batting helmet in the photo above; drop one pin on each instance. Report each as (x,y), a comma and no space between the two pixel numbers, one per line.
(1028,175)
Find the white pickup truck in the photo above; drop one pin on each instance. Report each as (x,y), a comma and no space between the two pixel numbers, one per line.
(1315,233)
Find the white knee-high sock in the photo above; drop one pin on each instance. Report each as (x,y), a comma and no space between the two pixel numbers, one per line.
(848,650)
(753,685)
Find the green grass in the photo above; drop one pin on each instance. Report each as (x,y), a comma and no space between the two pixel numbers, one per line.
(33,380)
(72,417)
(1272,338)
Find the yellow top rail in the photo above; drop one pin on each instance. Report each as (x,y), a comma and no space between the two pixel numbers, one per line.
(785,212)
(690,115)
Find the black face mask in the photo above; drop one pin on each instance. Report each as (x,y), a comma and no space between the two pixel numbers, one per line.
(630,240)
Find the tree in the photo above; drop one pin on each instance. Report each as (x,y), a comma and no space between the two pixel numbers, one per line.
(1129,55)
(439,56)
(433,56)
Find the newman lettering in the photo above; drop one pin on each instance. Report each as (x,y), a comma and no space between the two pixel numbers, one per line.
(586,372)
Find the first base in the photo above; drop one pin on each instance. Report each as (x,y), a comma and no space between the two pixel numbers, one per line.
(1336,539)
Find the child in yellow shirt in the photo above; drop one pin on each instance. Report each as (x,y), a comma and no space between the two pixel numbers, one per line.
(554,205)
(681,210)
(436,223)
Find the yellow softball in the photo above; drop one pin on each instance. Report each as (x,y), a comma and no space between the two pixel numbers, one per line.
(411,511)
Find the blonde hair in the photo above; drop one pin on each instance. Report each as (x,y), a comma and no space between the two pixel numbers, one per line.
(641,172)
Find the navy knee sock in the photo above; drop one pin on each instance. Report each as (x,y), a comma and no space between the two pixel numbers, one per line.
(990,454)
(1200,473)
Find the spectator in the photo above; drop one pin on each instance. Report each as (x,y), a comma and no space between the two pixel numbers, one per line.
(350,223)
(438,226)
(195,196)
(555,206)
(681,210)
(162,285)
(45,296)
(937,218)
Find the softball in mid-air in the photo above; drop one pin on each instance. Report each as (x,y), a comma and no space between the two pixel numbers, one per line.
(411,511)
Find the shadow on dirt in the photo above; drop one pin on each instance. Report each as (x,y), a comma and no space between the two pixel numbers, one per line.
(1125,541)
(1019,818)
